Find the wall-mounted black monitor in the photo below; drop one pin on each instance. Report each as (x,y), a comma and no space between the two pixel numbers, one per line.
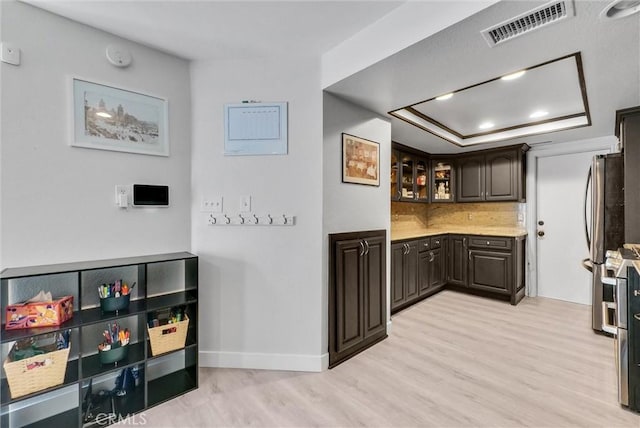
(147,195)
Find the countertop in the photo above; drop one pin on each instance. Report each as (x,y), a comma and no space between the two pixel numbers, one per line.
(461,230)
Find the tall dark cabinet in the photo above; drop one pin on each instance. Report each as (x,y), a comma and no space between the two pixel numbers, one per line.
(357,293)
(628,131)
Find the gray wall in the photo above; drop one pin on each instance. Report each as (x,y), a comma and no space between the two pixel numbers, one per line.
(352,207)
(58,201)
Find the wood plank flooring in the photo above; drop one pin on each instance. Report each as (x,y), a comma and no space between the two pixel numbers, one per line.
(453,360)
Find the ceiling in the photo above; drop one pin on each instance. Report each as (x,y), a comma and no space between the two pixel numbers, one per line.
(454,58)
(458,57)
(549,95)
(212,29)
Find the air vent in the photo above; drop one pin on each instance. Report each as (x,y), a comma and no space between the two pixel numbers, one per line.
(533,20)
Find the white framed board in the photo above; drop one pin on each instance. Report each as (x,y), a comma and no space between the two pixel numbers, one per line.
(255,129)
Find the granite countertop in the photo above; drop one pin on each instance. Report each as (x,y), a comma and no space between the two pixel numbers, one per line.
(462,230)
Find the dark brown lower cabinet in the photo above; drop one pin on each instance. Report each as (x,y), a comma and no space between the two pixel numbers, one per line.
(491,271)
(457,274)
(487,265)
(405,259)
(417,270)
(357,293)
(437,267)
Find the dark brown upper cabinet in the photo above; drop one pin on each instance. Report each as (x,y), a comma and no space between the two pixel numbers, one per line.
(409,175)
(442,180)
(493,175)
(470,178)
(487,175)
(395,175)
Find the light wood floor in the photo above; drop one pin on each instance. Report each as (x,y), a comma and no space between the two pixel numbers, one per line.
(452,360)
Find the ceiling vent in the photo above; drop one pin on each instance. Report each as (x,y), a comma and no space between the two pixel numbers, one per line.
(529,21)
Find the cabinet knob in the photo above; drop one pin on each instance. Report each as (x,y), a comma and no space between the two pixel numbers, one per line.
(488,243)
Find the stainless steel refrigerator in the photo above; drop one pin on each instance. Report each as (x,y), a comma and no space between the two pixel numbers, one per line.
(604,229)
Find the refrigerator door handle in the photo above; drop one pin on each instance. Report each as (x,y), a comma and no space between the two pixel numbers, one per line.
(586,196)
(587,264)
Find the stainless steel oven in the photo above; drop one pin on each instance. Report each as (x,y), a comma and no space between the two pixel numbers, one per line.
(624,298)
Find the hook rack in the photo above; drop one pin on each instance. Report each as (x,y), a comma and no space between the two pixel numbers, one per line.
(250,219)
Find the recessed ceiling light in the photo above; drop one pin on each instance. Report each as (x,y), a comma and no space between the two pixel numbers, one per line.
(486,125)
(538,113)
(620,9)
(513,75)
(445,96)
(103,114)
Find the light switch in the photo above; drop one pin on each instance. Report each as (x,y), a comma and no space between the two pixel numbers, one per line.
(245,203)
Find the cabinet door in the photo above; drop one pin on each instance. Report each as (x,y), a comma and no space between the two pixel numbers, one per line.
(502,176)
(470,179)
(491,271)
(437,269)
(424,278)
(407,164)
(349,295)
(458,260)
(375,290)
(410,267)
(442,181)
(395,175)
(397,275)
(421,189)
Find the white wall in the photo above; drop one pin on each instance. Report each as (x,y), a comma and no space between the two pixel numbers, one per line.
(352,207)
(58,201)
(261,290)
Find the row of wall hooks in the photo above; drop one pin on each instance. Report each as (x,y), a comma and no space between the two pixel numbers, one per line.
(251,219)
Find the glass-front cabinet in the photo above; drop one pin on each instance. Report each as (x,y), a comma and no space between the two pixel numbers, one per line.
(406,177)
(395,175)
(421,192)
(409,179)
(442,181)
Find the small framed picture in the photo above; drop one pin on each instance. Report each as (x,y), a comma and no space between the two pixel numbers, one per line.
(109,118)
(360,161)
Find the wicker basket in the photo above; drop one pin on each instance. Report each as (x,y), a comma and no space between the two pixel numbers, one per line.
(23,381)
(168,337)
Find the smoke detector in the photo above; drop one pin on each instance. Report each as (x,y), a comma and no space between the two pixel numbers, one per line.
(534,19)
(620,9)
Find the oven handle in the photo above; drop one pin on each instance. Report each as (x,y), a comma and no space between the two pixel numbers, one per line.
(606,327)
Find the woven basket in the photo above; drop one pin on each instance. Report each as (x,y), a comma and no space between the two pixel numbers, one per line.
(168,337)
(23,381)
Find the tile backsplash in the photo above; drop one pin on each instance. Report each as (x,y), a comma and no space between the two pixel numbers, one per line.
(490,214)
(414,217)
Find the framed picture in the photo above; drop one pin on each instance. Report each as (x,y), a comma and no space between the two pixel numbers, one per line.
(109,118)
(360,161)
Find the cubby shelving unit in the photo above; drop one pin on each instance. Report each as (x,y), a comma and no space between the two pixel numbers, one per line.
(162,281)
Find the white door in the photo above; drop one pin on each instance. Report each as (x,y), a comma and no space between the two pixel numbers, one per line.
(561,182)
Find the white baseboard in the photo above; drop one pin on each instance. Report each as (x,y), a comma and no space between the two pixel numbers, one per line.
(248,360)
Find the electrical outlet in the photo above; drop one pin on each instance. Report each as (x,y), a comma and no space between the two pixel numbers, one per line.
(521,218)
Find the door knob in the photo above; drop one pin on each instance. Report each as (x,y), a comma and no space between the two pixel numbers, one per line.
(541,223)
(540,233)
